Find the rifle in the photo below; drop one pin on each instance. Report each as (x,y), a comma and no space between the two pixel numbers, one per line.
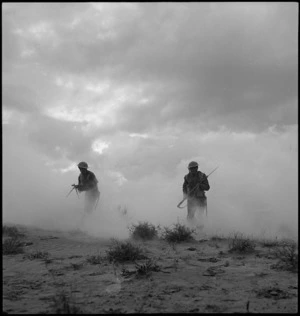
(194,190)
(74,187)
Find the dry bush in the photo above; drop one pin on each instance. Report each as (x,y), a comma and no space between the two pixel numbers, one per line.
(241,244)
(287,253)
(124,251)
(217,238)
(11,231)
(12,246)
(37,255)
(272,292)
(270,243)
(178,234)
(142,269)
(77,266)
(145,269)
(98,259)
(143,230)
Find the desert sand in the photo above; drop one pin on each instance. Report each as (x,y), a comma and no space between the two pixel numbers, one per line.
(198,276)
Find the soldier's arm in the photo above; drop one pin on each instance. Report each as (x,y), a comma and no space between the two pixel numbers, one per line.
(204,185)
(79,185)
(82,187)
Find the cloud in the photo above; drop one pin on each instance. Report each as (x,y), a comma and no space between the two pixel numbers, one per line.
(226,60)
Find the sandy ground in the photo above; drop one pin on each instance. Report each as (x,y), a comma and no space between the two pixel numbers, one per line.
(200,276)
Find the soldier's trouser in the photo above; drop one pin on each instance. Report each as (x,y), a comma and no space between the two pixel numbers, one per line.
(90,200)
(195,205)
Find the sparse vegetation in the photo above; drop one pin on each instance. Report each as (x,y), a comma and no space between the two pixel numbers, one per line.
(11,231)
(241,244)
(287,253)
(12,246)
(270,243)
(124,251)
(144,231)
(178,234)
(272,292)
(217,238)
(146,268)
(72,284)
(98,259)
(77,266)
(142,269)
(11,243)
(38,255)
(47,261)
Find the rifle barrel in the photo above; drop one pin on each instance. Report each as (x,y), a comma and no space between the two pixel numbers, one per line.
(213,171)
(70,191)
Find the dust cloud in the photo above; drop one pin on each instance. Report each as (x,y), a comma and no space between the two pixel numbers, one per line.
(254,190)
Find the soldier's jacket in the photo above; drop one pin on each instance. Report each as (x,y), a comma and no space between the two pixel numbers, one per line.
(88,181)
(198,179)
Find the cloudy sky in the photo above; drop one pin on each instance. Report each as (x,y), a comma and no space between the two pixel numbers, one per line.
(138,90)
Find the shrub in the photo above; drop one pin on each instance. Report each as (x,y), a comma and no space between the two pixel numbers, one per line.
(143,230)
(270,243)
(77,266)
(178,234)
(95,259)
(146,268)
(124,251)
(287,254)
(141,269)
(11,231)
(12,246)
(241,244)
(217,238)
(38,255)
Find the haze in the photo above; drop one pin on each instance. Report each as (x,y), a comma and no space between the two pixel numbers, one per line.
(138,90)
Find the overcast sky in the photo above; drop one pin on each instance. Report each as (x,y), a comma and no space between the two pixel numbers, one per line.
(138,90)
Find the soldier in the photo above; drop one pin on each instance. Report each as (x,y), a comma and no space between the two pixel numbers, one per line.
(87,181)
(195,183)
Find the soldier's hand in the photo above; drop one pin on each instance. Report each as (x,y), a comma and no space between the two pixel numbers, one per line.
(79,187)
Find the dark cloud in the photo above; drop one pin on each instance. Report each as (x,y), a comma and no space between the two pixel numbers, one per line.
(203,65)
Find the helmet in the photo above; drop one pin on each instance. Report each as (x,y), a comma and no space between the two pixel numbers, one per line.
(83,164)
(192,164)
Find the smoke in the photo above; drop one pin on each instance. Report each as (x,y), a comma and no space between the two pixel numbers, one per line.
(254,190)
